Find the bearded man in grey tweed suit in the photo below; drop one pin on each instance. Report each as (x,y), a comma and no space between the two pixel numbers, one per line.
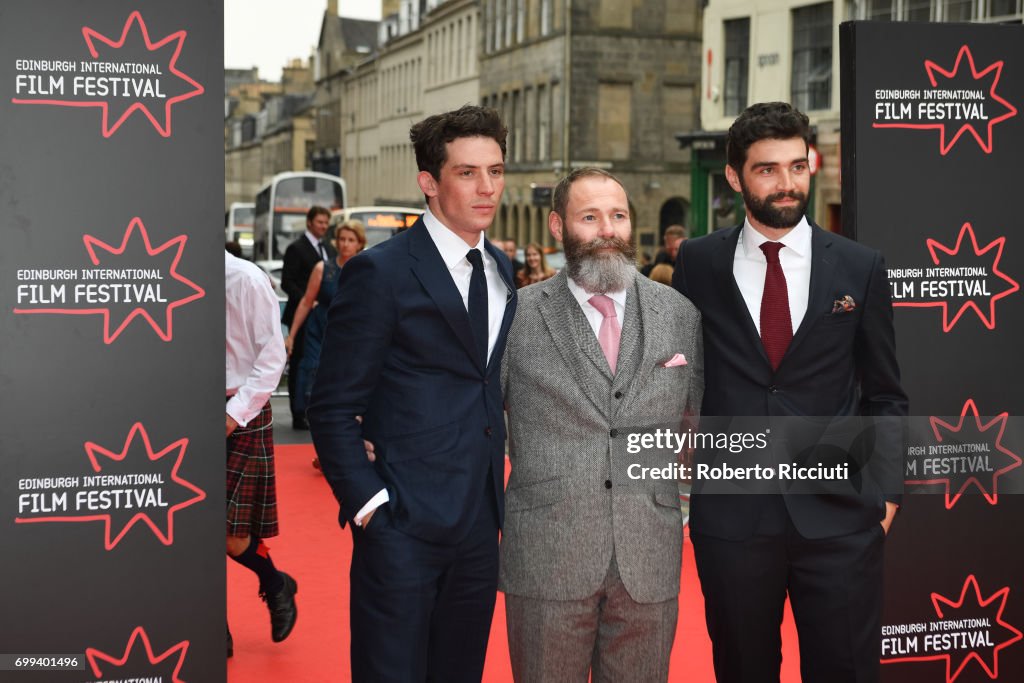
(592,543)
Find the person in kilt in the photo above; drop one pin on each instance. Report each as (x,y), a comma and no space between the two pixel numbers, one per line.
(254,362)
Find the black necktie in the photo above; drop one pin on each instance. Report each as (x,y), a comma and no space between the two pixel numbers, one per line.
(478,303)
(323,252)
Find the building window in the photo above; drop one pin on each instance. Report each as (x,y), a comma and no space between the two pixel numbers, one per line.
(510,21)
(1004,9)
(545,17)
(957,10)
(737,65)
(917,10)
(614,114)
(880,10)
(543,122)
(811,84)
(520,20)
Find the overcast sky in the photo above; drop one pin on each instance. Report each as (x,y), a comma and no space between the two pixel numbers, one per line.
(269,33)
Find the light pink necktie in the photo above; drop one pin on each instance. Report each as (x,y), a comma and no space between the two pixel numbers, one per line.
(608,335)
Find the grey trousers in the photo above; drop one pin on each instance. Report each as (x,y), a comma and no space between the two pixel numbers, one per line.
(607,634)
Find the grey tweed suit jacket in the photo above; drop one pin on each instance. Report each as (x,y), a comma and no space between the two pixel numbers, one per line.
(570,502)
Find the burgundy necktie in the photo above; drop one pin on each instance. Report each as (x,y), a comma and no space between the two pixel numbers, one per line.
(776,325)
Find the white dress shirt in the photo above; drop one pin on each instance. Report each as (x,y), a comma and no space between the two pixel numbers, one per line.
(255,345)
(594,316)
(453,252)
(750,265)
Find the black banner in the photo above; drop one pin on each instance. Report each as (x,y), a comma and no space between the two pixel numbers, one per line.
(933,134)
(111,357)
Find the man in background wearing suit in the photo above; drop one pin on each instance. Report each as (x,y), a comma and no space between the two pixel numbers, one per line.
(413,346)
(299,260)
(797,323)
(597,355)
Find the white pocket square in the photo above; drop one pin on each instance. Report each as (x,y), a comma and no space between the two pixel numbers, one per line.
(674,361)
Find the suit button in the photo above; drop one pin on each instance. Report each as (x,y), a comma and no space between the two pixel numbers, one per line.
(607,483)
(488,431)
(773,389)
(618,394)
(613,433)
(486,382)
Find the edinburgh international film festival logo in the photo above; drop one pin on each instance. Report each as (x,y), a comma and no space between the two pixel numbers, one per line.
(961,455)
(960,275)
(120,74)
(127,486)
(121,282)
(959,98)
(965,630)
(140,661)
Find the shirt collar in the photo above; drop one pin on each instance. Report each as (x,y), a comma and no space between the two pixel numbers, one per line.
(583,296)
(452,247)
(798,240)
(313,240)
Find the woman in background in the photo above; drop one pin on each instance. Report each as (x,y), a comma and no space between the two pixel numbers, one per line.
(349,239)
(536,268)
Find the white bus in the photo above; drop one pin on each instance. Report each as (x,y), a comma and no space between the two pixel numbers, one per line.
(281,208)
(381,222)
(239,223)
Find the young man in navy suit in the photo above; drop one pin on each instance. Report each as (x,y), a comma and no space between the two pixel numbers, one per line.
(413,347)
(797,326)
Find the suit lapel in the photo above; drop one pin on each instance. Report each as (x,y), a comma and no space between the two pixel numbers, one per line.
(510,305)
(822,272)
(725,281)
(430,269)
(562,317)
(634,361)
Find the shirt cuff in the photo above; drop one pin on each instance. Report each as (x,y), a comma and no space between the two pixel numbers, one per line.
(371,505)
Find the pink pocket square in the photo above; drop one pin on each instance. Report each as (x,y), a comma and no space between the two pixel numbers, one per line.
(674,361)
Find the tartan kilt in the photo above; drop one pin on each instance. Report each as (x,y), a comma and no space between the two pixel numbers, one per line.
(251,484)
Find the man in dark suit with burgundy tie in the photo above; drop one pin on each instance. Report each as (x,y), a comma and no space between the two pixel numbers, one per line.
(413,348)
(797,327)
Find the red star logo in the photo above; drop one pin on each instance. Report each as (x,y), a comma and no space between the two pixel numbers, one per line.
(176,451)
(988,318)
(976,431)
(97,248)
(161,120)
(175,655)
(997,68)
(977,608)
(946,141)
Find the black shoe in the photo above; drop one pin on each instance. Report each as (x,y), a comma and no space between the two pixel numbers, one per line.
(299,423)
(282,608)
(231,644)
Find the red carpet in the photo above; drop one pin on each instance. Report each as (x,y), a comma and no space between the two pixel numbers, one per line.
(316,552)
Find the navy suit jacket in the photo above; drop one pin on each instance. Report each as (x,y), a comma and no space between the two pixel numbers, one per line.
(839,364)
(399,351)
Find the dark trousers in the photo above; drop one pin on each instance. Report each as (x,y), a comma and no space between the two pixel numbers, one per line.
(422,611)
(296,394)
(834,587)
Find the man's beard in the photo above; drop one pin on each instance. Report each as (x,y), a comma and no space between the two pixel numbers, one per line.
(783,217)
(599,271)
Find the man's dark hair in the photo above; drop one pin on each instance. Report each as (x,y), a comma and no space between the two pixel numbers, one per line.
(673,232)
(431,135)
(315,211)
(560,195)
(764,121)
